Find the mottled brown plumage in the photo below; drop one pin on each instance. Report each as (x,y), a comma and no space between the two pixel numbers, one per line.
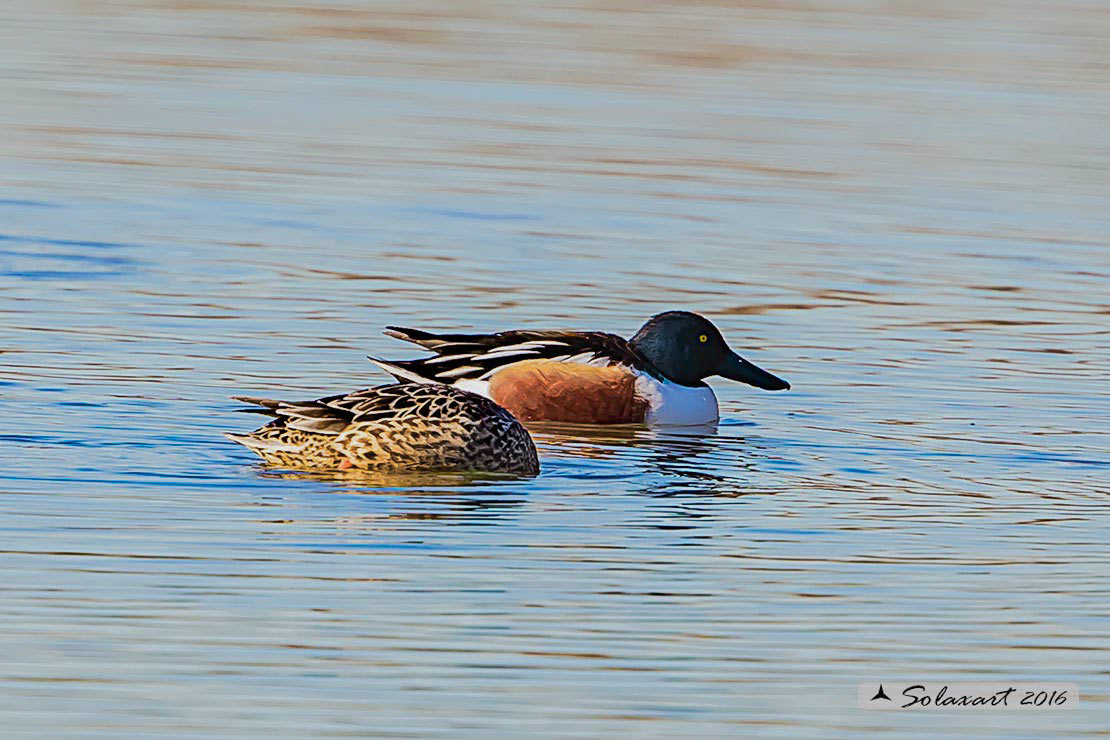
(406,426)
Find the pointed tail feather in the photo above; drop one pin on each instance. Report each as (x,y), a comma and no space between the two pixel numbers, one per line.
(269,403)
(402,374)
(440,343)
(256,410)
(256,443)
(425,339)
(264,406)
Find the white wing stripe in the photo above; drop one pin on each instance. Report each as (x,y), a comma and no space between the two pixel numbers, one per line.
(582,358)
(447,358)
(464,370)
(531,346)
(590,358)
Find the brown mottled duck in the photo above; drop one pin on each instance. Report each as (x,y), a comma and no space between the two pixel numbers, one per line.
(399,427)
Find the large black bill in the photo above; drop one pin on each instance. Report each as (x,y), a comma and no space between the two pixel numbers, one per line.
(736,367)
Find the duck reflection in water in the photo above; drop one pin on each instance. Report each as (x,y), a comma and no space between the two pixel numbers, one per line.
(669,461)
(455,498)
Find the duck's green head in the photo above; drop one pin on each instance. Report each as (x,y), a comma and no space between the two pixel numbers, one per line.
(686,348)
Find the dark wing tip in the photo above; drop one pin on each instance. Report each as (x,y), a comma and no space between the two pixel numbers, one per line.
(410,335)
(269,403)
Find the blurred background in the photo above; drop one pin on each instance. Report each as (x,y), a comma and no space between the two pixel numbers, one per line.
(900,207)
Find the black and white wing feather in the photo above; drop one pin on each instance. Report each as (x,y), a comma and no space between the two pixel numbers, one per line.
(478,356)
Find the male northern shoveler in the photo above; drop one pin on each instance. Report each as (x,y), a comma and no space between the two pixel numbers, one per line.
(589,377)
(408,426)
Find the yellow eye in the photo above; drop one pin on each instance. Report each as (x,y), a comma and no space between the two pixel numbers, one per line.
(703,339)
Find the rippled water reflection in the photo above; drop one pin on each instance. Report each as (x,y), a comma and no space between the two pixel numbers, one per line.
(898,207)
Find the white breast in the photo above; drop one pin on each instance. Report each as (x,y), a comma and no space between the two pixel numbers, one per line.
(671,404)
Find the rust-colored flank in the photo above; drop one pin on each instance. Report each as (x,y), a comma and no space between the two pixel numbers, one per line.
(566,391)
